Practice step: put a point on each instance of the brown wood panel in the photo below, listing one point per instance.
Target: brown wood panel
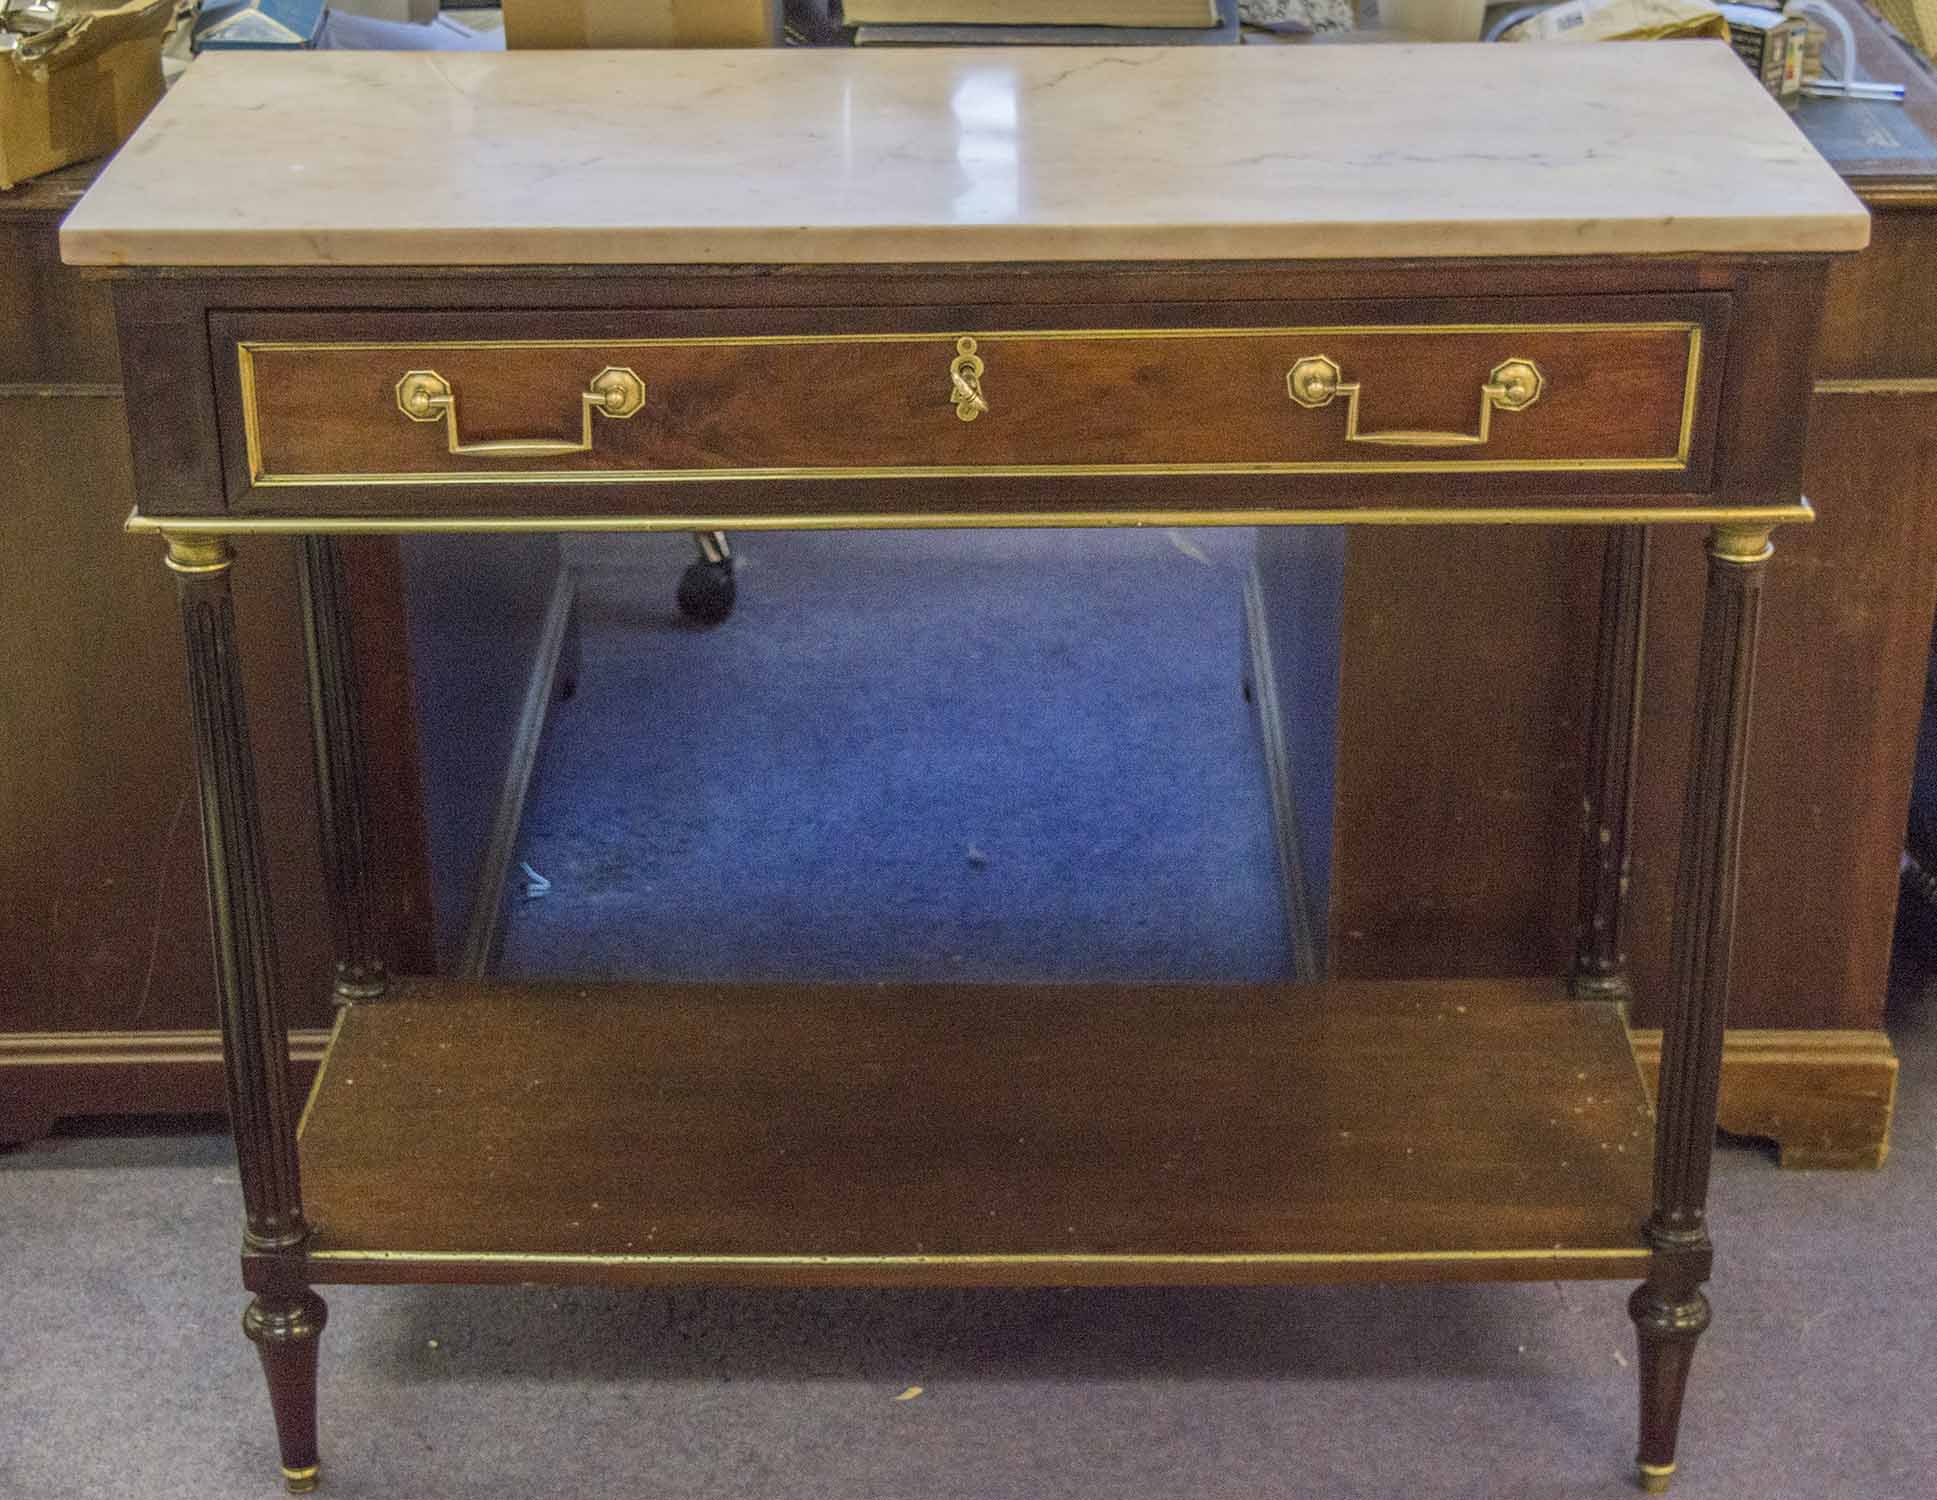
(838, 401)
(1483, 1128)
(1881, 321)
(1466, 658)
(59, 329)
(103, 923)
(1847, 635)
(101, 909)
(1847, 629)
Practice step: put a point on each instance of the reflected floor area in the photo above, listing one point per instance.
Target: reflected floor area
(1020, 755)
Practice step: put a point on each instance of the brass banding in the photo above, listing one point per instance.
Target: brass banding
(1741, 544)
(993, 1260)
(195, 552)
(640, 348)
(1799, 513)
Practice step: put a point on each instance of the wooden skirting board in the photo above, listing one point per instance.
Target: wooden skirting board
(1824, 1097)
(50, 1075)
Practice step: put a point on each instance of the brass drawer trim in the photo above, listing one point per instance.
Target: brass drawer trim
(247, 349)
(1612, 513)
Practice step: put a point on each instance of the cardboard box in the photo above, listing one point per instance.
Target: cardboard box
(79, 90)
(642, 23)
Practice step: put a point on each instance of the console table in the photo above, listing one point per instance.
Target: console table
(546, 292)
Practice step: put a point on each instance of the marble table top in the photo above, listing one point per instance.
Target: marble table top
(844, 156)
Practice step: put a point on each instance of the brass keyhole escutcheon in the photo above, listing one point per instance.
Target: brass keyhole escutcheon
(965, 380)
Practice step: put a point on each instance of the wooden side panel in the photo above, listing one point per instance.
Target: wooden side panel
(1462, 727)
(102, 920)
(476, 612)
(1847, 621)
(58, 327)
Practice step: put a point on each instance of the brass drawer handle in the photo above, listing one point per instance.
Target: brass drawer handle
(1514, 385)
(965, 378)
(426, 396)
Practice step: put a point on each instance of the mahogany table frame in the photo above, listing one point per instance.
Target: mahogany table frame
(171, 323)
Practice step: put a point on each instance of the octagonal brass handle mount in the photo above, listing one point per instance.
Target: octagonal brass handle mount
(426, 396)
(1513, 385)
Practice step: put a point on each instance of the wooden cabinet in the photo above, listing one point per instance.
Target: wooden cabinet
(105, 967)
(1459, 747)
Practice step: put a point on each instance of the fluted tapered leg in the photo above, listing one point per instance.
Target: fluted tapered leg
(1669, 1309)
(285, 1332)
(286, 1316)
(342, 781)
(1607, 800)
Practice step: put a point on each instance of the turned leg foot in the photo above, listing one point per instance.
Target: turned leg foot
(285, 1332)
(1668, 1330)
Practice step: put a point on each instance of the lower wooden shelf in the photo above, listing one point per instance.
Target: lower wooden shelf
(972, 1135)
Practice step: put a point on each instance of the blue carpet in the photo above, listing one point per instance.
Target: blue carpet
(973, 755)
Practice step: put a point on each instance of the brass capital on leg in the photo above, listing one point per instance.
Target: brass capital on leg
(193, 553)
(1743, 545)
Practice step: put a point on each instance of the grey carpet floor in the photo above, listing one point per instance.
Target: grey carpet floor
(123, 1371)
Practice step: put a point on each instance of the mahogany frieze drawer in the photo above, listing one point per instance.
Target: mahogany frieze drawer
(1567, 397)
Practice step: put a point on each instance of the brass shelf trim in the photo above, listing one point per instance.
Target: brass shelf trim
(1800, 513)
(1909, 385)
(990, 1260)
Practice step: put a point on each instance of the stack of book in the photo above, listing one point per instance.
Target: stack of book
(1003, 22)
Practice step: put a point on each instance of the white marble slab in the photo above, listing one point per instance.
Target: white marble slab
(801, 155)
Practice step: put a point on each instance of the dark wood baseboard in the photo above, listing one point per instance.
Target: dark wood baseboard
(1824, 1097)
(485, 929)
(48, 1075)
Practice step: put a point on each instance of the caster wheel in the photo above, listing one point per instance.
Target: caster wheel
(706, 592)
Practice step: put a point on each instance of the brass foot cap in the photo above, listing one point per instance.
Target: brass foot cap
(1654, 1477)
(302, 1481)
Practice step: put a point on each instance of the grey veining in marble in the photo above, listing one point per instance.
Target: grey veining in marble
(809, 155)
